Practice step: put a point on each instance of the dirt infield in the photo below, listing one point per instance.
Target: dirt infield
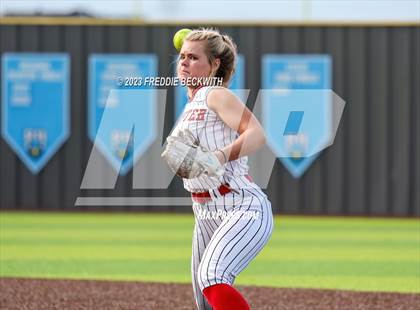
(25, 294)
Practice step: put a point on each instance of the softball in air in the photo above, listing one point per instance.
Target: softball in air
(179, 38)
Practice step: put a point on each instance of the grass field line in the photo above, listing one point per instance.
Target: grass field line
(319, 252)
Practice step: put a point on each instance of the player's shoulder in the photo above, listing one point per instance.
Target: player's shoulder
(204, 91)
(217, 96)
(216, 91)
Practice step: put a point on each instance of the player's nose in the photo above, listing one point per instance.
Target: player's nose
(184, 62)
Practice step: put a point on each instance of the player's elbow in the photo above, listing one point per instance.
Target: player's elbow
(261, 139)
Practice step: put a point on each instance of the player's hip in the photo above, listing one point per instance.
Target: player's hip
(251, 200)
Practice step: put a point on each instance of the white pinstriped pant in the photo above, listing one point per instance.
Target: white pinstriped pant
(224, 245)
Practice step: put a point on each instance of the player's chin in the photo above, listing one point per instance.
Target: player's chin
(183, 75)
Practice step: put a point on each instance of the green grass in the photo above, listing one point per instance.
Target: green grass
(362, 254)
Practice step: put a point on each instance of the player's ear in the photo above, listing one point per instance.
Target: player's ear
(217, 63)
(215, 66)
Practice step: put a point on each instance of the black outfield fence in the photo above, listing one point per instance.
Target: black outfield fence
(373, 167)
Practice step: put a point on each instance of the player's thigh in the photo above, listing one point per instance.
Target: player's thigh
(253, 242)
(246, 229)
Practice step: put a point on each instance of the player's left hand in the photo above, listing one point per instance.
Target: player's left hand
(188, 159)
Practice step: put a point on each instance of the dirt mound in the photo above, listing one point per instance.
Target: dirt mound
(25, 294)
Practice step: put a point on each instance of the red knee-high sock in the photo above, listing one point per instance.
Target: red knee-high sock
(225, 297)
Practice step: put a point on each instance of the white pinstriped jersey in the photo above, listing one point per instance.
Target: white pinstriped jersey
(212, 134)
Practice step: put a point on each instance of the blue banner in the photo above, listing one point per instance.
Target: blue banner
(122, 108)
(296, 112)
(35, 105)
(237, 85)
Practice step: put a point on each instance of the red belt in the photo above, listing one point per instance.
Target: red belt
(203, 197)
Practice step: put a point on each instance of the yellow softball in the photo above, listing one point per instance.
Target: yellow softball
(179, 38)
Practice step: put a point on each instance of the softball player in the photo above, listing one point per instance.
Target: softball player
(233, 217)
